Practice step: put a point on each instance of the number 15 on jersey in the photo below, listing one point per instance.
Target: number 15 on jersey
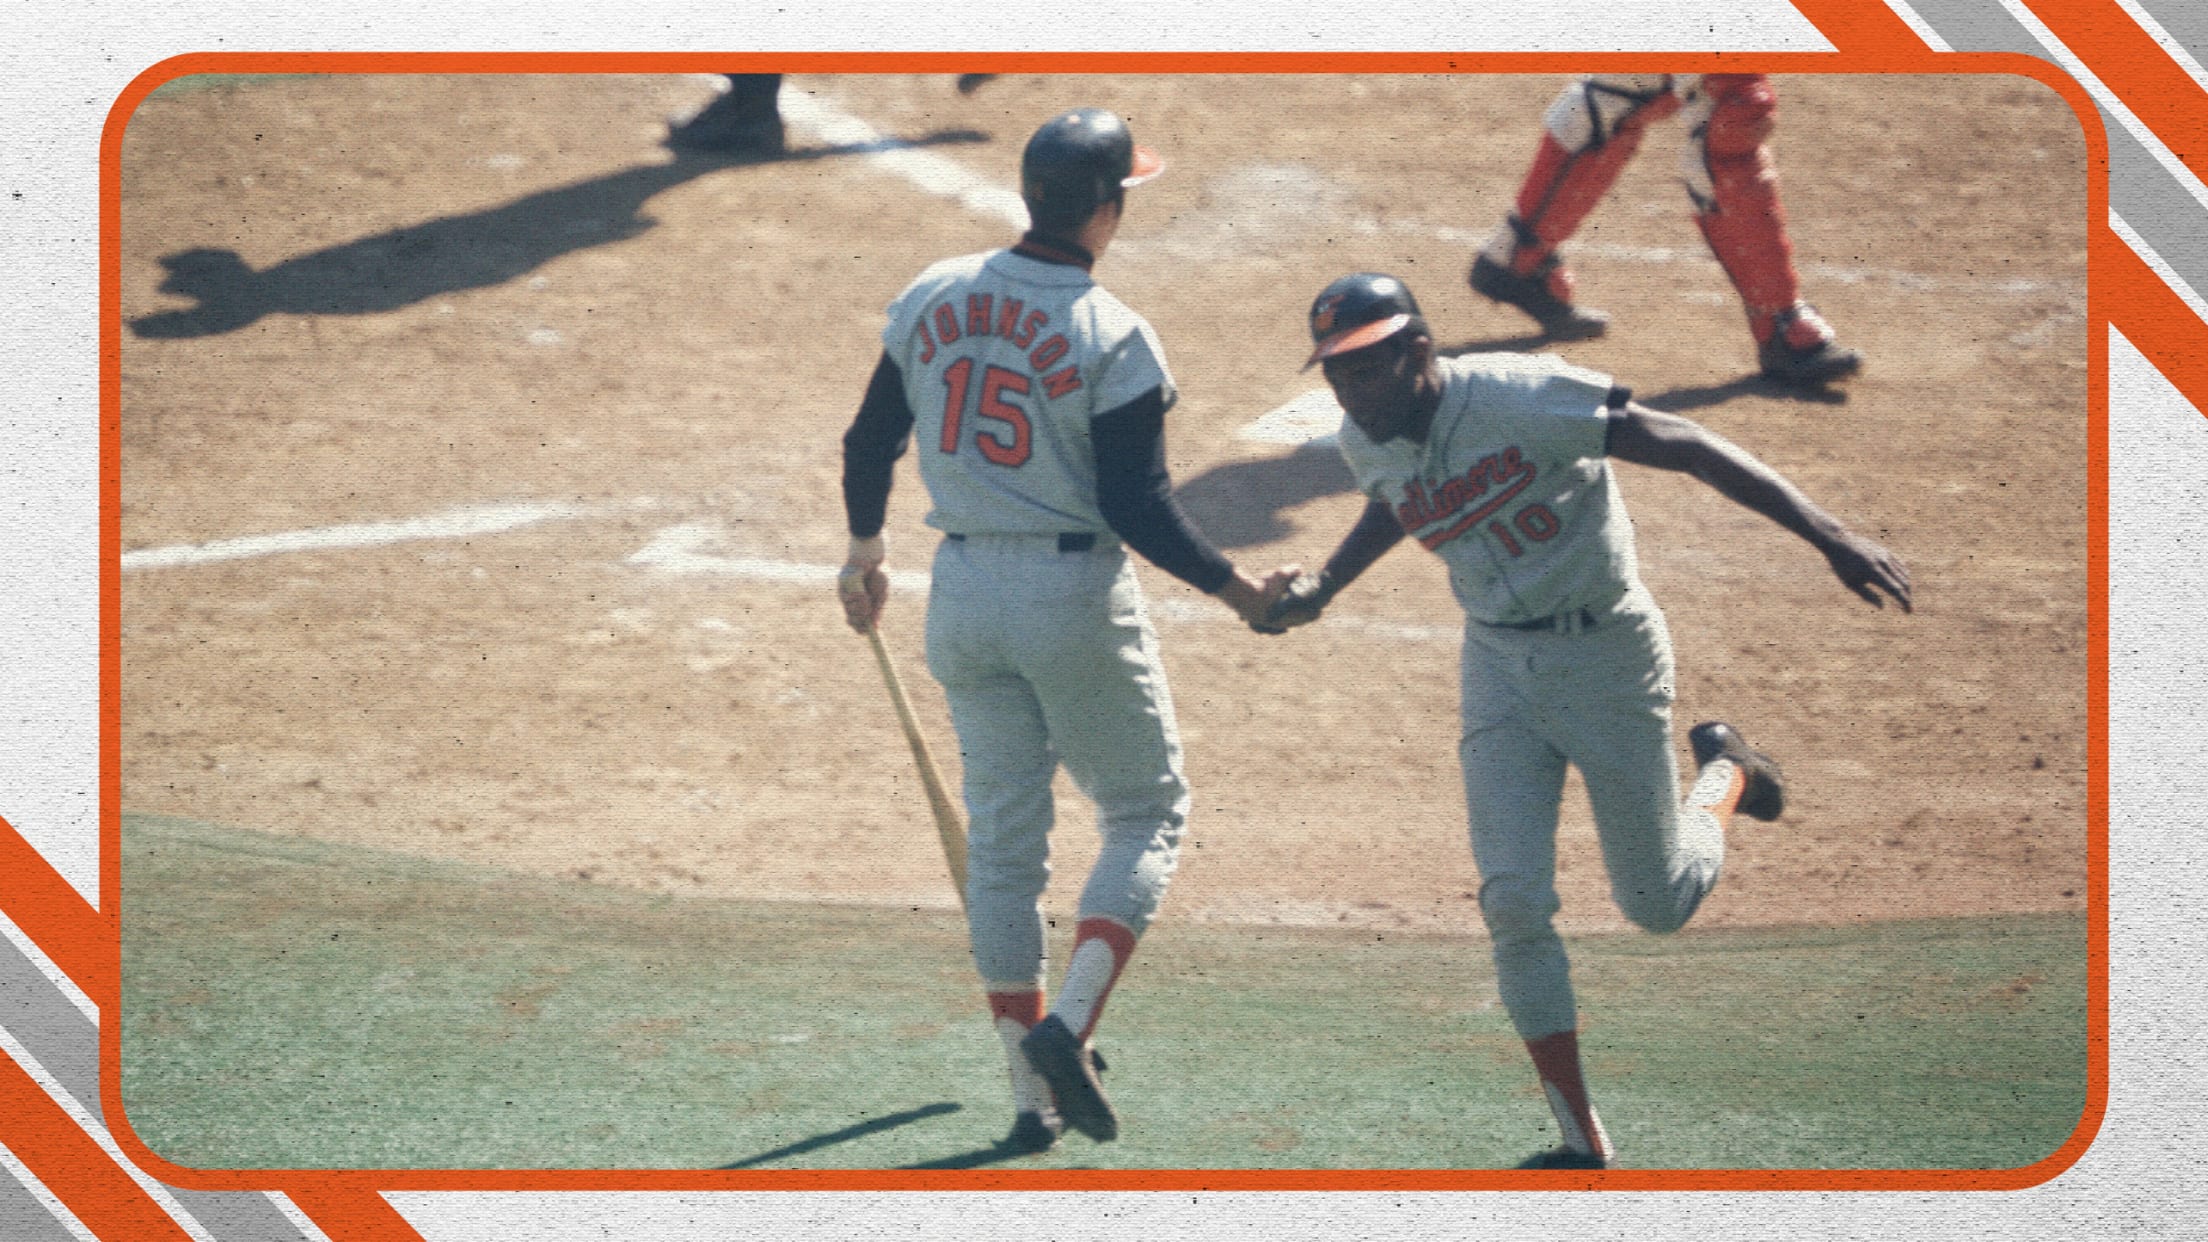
(1007, 437)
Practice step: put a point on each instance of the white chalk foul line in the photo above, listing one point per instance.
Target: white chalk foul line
(453, 524)
(685, 551)
(931, 173)
(681, 550)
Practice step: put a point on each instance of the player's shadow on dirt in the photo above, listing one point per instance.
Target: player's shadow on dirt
(1240, 504)
(1670, 401)
(1524, 343)
(473, 251)
(1680, 400)
(848, 1133)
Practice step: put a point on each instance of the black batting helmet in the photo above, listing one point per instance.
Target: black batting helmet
(1077, 162)
(1360, 309)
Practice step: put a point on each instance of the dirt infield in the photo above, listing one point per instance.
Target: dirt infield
(370, 299)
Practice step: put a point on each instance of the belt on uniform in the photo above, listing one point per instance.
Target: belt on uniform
(1562, 622)
(1068, 541)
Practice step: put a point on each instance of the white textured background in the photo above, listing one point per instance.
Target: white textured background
(64, 64)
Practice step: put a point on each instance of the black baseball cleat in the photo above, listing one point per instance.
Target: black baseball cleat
(1801, 350)
(1764, 796)
(1033, 1132)
(1559, 319)
(1071, 1069)
(1564, 1158)
(1816, 364)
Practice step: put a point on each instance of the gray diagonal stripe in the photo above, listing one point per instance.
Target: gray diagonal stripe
(38, 1015)
(2185, 20)
(2158, 208)
(49, 1026)
(2151, 200)
(1977, 26)
(23, 1218)
(238, 1216)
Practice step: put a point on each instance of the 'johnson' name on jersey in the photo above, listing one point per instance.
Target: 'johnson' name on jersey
(1012, 321)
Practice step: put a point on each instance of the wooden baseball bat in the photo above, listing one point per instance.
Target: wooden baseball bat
(947, 823)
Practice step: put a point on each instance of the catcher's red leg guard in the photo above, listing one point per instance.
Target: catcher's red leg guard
(1604, 122)
(1587, 136)
(1735, 188)
(1737, 204)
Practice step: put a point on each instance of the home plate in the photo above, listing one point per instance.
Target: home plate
(1312, 418)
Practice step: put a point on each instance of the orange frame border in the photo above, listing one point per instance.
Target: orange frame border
(348, 1203)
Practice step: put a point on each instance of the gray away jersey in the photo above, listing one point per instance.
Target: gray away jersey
(1006, 358)
(1511, 487)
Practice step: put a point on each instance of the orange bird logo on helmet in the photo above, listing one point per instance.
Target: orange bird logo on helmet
(1322, 315)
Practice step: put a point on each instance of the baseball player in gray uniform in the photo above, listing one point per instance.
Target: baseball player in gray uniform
(1499, 463)
(1036, 403)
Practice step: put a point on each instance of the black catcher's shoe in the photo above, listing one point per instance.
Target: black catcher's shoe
(732, 128)
(1530, 293)
(1802, 350)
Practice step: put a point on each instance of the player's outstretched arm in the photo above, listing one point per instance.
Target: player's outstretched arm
(1308, 595)
(1649, 437)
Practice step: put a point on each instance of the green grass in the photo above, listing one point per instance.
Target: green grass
(292, 1004)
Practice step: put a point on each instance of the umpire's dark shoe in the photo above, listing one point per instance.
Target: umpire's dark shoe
(728, 129)
(1801, 350)
(1559, 319)
(1564, 1158)
(1765, 794)
(1070, 1069)
(1033, 1132)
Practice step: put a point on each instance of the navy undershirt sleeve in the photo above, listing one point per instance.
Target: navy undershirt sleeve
(1135, 493)
(871, 447)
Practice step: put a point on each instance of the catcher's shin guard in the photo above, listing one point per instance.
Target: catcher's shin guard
(1735, 189)
(1587, 136)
